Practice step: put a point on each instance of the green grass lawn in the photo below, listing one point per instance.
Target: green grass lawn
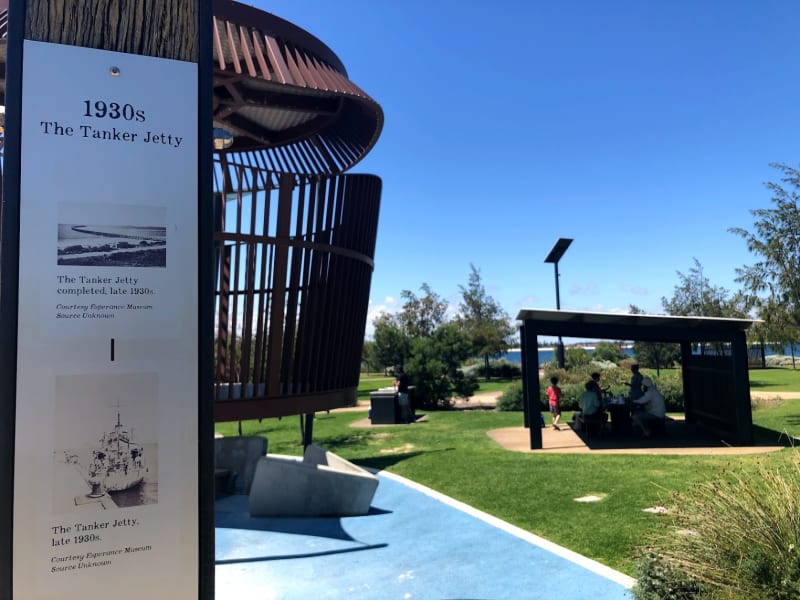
(493, 385)
(371, 383)
(375, 381)
(450, 452)
(775, 380)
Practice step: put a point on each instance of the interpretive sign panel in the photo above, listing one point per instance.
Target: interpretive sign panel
(106, 437)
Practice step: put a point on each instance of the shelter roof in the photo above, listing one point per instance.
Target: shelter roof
(629, 326)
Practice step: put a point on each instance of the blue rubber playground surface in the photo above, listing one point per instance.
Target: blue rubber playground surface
(414, 544)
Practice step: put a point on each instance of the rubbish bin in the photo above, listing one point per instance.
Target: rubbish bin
(383, 407)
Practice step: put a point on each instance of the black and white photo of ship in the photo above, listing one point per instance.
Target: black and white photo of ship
(118, 463)
(117, 471)
(112, 245)
(105, 441)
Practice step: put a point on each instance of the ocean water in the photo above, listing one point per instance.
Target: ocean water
(545, 355)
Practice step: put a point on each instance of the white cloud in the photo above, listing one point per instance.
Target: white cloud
(387, 305)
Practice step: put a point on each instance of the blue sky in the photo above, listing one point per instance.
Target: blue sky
(641, 129)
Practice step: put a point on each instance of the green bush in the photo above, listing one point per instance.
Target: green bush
(464, 386)
(572, 393)
(670, 385)
(571, 382)
(608, 351)
(576, 357)
(434, 366)
(512, 399)
(499, 369)
(656, 581)
(736, 538)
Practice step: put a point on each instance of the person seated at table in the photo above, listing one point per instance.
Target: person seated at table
(591, 406)
(653, 408)
(599, 390)
(636, 383)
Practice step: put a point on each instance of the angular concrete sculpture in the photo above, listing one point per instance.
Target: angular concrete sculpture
(235, 460)
(321, 485)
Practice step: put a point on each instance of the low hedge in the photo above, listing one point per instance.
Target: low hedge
(572, 382)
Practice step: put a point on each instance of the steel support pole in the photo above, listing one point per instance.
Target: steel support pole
(560, 348)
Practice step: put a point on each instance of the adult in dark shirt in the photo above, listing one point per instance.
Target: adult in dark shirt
(594, 385)
(403, 399)
(636, 383)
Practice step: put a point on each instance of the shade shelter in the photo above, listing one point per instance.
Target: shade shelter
(716, 385)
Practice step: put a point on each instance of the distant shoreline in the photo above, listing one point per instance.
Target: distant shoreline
(552, 348)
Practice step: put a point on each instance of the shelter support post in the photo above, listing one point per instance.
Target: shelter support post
(686, 357)
(307, 423)
(530, 384)
(741, 389)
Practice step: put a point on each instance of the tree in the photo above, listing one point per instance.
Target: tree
(576, 357)
(654, 355)
(778, 328)
(430, 349)
(775, 240)
(696, 296)
(608, 351)
(370, 359)
(483, 319)
(391, 345)
(757, 336)
(421, 315)
(434, 366)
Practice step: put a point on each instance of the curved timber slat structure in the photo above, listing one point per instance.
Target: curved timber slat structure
(294, 238)
(285, 95)
(292, 293)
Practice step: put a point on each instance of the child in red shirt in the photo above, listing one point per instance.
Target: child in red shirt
(554, 395)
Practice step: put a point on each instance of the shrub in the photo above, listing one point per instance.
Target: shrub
(500, 369)
(575, 357)
(433, 365)
(464, 386)
(669, 383)
(779, 360)
(671, 387)
(512, 399)
(737, 537)
(608, 351)
(572, 393)
(656, 581)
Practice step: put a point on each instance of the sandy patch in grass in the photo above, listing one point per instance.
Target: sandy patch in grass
(591, 498)
(398, 449)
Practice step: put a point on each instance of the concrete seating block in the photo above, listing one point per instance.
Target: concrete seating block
(238, 456)
(322, 484)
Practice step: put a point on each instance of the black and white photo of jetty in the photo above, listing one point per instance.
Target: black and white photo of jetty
(106, 449)
(112, 245)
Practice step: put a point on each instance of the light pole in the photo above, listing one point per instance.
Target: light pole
(555, 255)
